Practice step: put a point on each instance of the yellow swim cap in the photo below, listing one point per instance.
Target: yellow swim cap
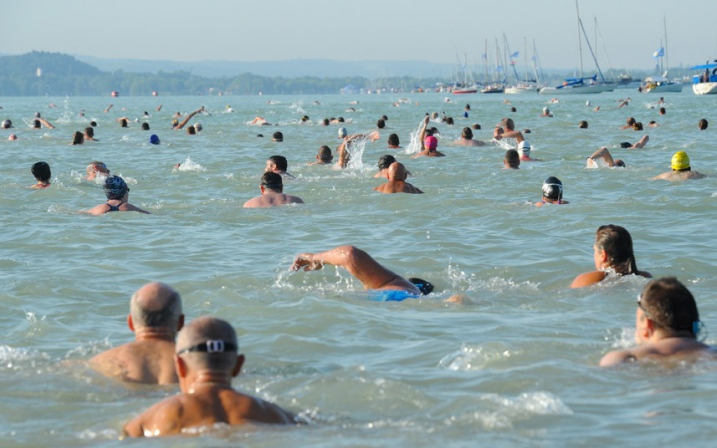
(680, 161)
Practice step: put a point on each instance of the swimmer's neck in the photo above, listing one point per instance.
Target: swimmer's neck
(154, 334)
(208, 379)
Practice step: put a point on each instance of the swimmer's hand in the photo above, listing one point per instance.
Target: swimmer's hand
(307, 262)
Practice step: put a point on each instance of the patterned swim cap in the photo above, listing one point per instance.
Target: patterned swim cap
(115, 187)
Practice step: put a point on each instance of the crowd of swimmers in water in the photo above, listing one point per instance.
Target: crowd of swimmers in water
(203, 356)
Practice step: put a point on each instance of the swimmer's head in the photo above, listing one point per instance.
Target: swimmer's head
(198, 127)
(6, 124)
(671, 306)
(546, 110)
(97, 167)
(41, 171)
(385, 161)
(115, 187)
(272, 182)
(625, 145)
(431, 142)
(277, 136)
(524, 149)
(325, 154)
(680, 161)
(553, 189)
(393, 140)
(467, 133)
(154, 139)
(583, 124)
(619, 163)
(424, 286)
(342, 133)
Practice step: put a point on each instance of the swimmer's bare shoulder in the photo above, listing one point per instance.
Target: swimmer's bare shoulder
(174, 414)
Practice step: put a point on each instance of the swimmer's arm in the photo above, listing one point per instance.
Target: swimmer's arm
(137, 209)
(189, 117)
(422, 132)
(617, 357)
(96, 211)
(511, 134)
(641, 143)
(46, 123)
(360, 264)
(604, 154)
(587, 279)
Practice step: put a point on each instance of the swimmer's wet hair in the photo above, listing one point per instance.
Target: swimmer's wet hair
(385, 161)
(41, 171)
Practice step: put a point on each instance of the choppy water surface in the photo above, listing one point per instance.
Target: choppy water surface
(514, 366)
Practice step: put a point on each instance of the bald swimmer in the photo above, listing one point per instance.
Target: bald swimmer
(207, 359)
(155, 318)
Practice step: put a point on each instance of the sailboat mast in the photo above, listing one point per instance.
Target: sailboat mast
(580, 39)
(667, 61)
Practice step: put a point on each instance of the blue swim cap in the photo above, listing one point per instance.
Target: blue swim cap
(153, 139)
(115, 187)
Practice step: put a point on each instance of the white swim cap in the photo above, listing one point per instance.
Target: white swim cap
(524, 148)
(343, 132)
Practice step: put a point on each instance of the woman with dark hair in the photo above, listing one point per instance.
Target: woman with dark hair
(41, 171)
(613, 256)
(78, 138)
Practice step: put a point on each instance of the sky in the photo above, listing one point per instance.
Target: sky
(630, 31)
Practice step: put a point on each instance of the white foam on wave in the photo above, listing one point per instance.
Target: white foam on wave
(190, 165)
(20, 358)
(470, 358)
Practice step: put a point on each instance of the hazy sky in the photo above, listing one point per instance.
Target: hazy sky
(435, 31)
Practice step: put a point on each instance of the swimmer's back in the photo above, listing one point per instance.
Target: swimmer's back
(208, 405)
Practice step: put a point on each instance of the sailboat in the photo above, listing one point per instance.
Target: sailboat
(661, 84)
(466, 87)
(527, 85)
(496, 86)
(578, 85)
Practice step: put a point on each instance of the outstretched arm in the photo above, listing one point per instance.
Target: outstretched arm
(189, 117)
(641, 143)
(360, 264)
(422, 132)
(46, 123)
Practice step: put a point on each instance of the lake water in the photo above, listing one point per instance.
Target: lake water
(516, 365)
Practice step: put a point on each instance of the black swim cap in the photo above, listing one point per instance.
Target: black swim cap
(553, 188)
(625, 145)
(424, 286)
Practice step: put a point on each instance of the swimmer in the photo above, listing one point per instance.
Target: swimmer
(78, 138)
(641, 143)
(681, 169)
(89, 134)
(613, 255)
(344, 149)
(546, 113)
(430, 143)
(278, 165)
(96, 170)
(702, 124)
(155, 317)
(396, 183)
(42, 173)
(629, 123)
(186, 120)
(272, 195)
(6, 124)
(107, 109)
(117, 193)
(12, 137)
(552, 192)
(524, 152)
(383, 163)
(277, 137)
(324, 157)
(667, 325)
(603, 156)
(467, 139)
(38, 121)
(393, 142)
(371, 274)
(206, 360)
(511, 160)
(510, 132)
(583, 124)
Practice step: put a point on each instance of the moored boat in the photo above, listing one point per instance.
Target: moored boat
(706, 83)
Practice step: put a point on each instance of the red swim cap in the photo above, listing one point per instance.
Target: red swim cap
(431, 142)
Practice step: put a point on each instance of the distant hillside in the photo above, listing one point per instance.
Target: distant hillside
(50, 64)
(286, 69)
